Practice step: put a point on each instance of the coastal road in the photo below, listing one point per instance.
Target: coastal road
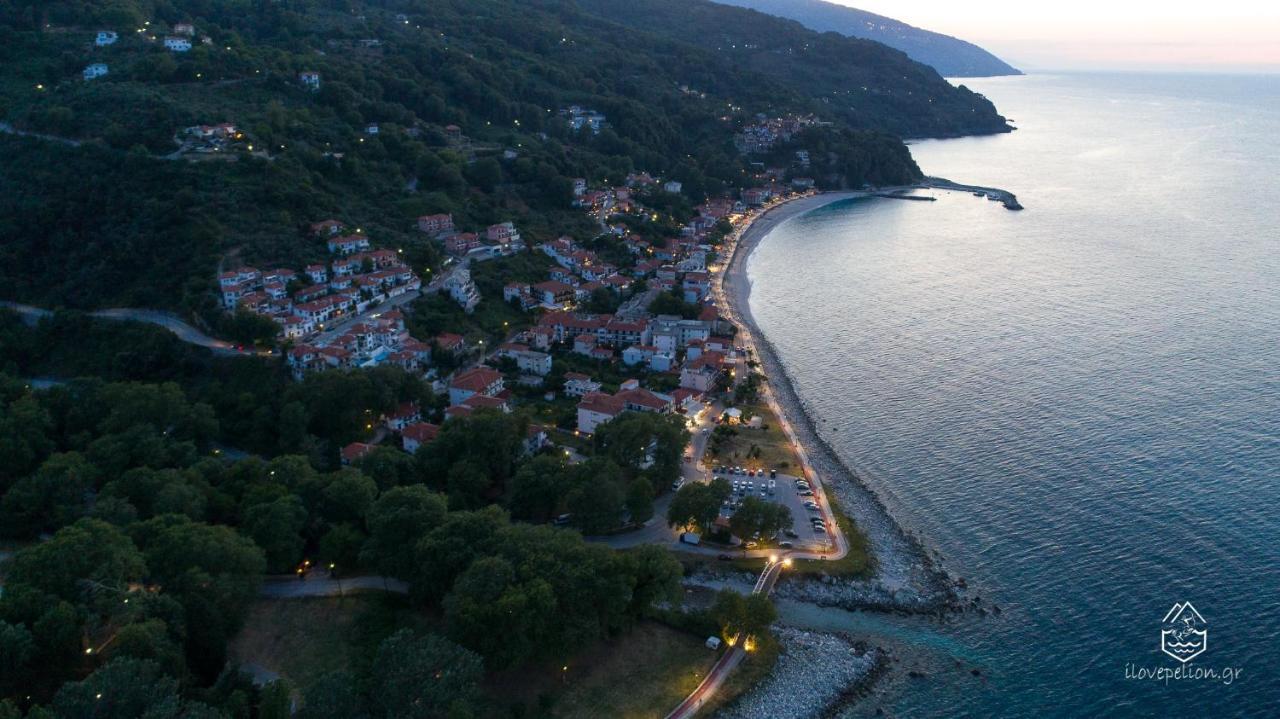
(730, 659)
(730, 290)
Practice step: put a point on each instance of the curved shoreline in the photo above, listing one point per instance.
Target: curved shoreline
(907, 576)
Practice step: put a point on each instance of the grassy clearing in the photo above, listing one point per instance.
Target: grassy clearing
(764, 448)
(642, 675)
(302, 639)
(737, 562)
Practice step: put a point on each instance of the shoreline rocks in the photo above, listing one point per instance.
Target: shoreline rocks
(816, 673)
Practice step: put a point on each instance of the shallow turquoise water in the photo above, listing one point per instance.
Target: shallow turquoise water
(1078, 404)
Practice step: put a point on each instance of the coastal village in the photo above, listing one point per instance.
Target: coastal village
(348, 312)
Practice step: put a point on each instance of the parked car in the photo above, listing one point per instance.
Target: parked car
(723, 557)
(786, 545)
(791, 533)
(819, 529)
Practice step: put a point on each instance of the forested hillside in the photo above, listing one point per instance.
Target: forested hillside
(119, 219)
(948, 55)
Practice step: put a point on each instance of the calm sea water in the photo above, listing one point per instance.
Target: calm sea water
(1078, 404)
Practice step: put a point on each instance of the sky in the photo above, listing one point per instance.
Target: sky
(1207, 35)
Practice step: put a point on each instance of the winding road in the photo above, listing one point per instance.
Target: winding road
(730, 660)
(185, 331)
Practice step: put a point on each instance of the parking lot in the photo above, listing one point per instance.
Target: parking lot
(783, 490)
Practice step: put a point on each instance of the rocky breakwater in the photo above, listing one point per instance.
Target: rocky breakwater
(995, 194)
(815, 674)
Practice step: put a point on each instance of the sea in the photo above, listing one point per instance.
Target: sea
(1077, 405)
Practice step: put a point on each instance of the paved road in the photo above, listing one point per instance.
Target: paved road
(290, 587)
(729, 660)
(11, 130)
(185, 332)
(734, 273)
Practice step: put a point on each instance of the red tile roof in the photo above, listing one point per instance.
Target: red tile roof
(476, 379)
(421, 432)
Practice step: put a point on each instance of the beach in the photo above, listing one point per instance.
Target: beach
(906, 576)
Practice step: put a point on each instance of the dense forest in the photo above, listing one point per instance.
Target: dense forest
(105, 219)
(148, 513)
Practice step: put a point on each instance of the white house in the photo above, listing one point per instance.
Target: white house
(310, 79)
(174, 43)
(595, 409)
(638, 354)
(97, 69)
(463, 290)
(527, 360)
(579, 385)
(106, 37)
(673, 187)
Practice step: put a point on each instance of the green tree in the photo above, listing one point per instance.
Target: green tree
(398, 520)
(334, 696)
(448, 549)
(17, 648)
(423, 676)
(148, 639)
(53, 497)
(539, 487)
(646, 444)
(598, 498)
(274, 701)
(85, 556)
(276, 527)
(348, 496)
(25, 429)
(124, 688)
(503, 618)
(389, 467)
(485, 174)
(698, 504)
(467, 485)
(205, 562)
(640, 500)
(340, 547)
(292, 427)
(756, 518)
(746, 616)
(655, 577)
